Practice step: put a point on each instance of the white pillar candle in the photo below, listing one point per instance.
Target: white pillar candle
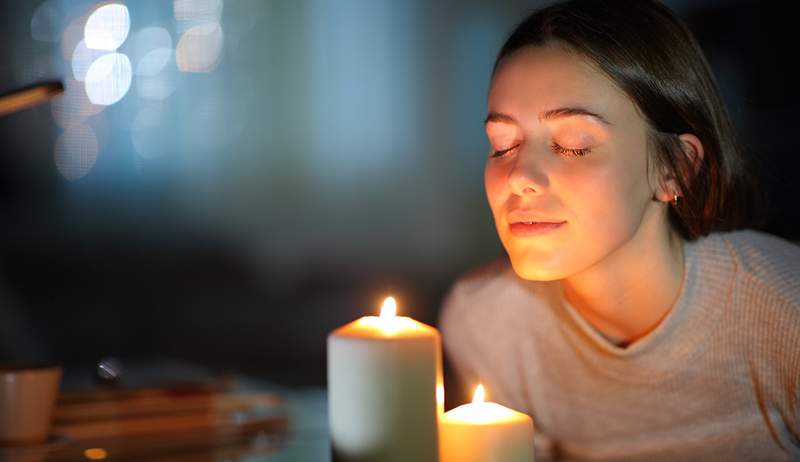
(384, 389)
(485, 432)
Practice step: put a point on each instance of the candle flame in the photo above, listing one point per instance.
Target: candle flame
(389, 308)
(479, 395)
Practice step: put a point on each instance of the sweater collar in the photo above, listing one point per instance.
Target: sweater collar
(708, 276)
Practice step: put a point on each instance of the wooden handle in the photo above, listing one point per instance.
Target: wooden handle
(28, 97)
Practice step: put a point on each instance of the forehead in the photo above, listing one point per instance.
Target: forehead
(536, 79)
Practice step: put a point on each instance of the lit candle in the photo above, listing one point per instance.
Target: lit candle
(484, 432)
(384, 389)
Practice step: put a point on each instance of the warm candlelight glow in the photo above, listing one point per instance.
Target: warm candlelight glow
(482, 412)
(388, 324)
(440, 397)
(479, 395)
(482, 431)
(389, 308)
(95, 454)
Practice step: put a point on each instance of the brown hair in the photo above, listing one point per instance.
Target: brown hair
(652, 56)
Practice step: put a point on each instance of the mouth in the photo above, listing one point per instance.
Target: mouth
(534, 228)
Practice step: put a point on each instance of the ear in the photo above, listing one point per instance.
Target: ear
(692, 148)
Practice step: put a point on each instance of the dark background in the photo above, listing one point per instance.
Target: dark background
(332, 156)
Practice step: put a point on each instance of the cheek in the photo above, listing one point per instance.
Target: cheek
(609, 203)
(494, 178)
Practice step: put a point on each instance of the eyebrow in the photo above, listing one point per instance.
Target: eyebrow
(551, 114)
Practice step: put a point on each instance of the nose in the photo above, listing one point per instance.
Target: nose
(527, 177)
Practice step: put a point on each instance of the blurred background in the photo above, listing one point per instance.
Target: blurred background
(224, 182)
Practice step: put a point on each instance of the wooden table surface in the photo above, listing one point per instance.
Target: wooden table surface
(179, 423)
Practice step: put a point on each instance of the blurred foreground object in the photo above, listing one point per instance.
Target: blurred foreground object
(29, 97)
(184, 422)
(28, 394)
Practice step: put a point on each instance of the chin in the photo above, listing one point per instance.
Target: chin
(535, 271)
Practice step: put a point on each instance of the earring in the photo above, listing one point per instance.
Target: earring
(675, 198)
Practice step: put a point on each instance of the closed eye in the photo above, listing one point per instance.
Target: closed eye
(502, 152)
(558, 149)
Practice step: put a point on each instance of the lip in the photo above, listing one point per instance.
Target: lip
(534, 228)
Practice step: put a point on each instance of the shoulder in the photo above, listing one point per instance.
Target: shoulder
(491, 299)
(463, 301)
(766, 263)
(476, 295)
(482, 282)
(489, 321)
(768, 301)
(765, 303)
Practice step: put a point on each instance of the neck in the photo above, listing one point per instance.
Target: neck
(628, 293)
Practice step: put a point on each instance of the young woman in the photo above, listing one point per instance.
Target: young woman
(634, 319)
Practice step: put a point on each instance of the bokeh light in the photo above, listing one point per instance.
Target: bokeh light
(200, 48)
(82, 59)
(45, 22)
(159, 87)
(153, 58)
(72, 34)
(95, 454)
(150, 49)
(198, 10)
(72, 107)
(108, 79)
(107, 27)
(76, 152)
(154, 62)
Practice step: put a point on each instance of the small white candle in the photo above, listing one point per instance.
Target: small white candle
(384, 389)
(485, 432)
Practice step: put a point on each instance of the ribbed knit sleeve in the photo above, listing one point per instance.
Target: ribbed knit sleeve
(769, 286)
(791, 379)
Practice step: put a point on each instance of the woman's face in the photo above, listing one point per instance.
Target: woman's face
(567, 177)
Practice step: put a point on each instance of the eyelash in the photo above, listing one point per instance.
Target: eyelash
(569, 152)
(501, 153)
(555, 147)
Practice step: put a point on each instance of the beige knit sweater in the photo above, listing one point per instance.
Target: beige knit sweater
(718, 379)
